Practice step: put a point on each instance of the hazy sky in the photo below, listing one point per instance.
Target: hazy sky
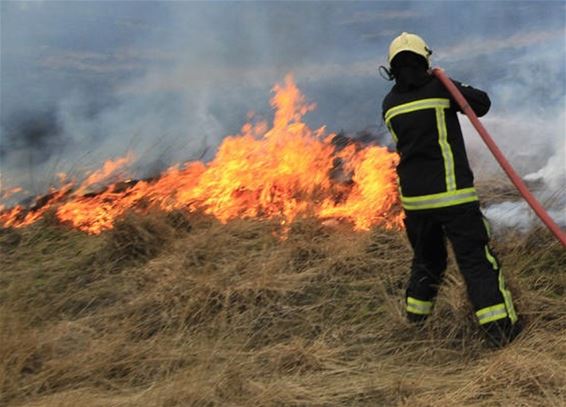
(83, 81)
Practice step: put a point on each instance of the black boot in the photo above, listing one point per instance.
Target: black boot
(416, 319)
(502, 332)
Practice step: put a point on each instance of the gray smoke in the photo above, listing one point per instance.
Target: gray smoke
(528, 122)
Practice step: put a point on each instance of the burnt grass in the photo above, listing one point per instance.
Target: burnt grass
(180, 310)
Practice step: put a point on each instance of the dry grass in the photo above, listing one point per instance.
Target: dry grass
(170, 310)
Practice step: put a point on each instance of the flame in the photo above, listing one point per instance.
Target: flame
(281, 172)
(18, 216)
(109, 168)
(373, 196)
(10, 192)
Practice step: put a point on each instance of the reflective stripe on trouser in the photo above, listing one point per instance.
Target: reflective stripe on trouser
(419, 307)
(492, 313)
(463, 226)
(505, 293)
(428, 265)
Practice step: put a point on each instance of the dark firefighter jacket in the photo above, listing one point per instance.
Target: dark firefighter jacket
(433, 169)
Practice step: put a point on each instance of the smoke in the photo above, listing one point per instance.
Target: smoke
(169, 80)
(39, 136)
(528, 123)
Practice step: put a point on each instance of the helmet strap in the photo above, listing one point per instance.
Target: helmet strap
(385, 73)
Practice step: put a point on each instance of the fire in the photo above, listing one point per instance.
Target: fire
(103, 174)
(282, 172)
(374, 193)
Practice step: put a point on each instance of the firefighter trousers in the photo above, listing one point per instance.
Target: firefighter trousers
(468, 232)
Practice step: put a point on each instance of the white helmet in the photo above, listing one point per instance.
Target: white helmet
(409, 42)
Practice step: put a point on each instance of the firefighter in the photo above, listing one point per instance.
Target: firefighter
(437, 192)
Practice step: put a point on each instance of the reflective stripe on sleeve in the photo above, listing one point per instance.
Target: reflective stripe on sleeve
(440, 200)
(490, 314)
(420, 307)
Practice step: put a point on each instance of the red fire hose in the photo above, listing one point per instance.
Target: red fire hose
(513, 176)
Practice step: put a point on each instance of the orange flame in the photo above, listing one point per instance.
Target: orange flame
(108, 169)
(11, 192)
(280, 173)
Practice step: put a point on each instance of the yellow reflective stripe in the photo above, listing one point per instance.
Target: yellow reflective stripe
(489, 310)
(505, 293)
(447, 156)
(490, 258)
(431, 103)
(507, 298)
(487, 226)
(439, 104)
(426, 198)
(440, 200)
(418, 307)
(390, 127)
(490, 314)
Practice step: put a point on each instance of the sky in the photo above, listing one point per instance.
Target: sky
(84, 81)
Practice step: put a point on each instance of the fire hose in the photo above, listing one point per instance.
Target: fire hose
(513, 176)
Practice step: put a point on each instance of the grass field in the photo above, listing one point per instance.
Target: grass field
(180, 310)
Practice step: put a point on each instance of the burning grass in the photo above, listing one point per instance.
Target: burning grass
(180, 309)
(278, 172)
